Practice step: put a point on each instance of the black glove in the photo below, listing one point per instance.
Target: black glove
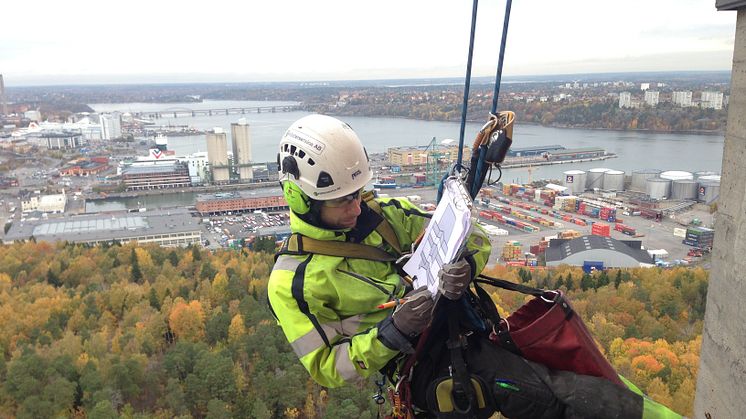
(407, 321)
(413, 316)
(454, 279)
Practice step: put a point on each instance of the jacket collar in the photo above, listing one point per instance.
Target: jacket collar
(366, 223)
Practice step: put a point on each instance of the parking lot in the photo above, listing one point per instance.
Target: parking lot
(224, 231)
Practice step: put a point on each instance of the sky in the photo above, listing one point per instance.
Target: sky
(137, 41)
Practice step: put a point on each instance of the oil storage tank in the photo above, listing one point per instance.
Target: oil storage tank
(595, 178)
(702, 173)
(575, 181)
(676, 175)
(684, 189)
(709, 178)
(614, 180)
(639, 178)
(709, 191)
(658, 188)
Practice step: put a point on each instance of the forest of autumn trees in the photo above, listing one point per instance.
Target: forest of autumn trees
(149, 332)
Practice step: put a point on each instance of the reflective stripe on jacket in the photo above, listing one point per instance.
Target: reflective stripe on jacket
(326, 305)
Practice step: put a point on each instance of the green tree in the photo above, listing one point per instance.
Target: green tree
(153, 299)
(173, 258)
(135, 272)
(217, 327)
(586, 282)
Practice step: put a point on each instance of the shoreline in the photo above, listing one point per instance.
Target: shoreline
(474, 121)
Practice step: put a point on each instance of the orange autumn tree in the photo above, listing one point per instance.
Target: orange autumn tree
(187, 321)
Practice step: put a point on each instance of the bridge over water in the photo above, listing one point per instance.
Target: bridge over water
(186, 112)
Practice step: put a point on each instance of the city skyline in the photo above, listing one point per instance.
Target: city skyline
(150, 42)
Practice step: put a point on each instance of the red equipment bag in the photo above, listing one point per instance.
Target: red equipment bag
(545, 330)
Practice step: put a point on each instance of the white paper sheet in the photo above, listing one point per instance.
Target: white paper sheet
(444, 236)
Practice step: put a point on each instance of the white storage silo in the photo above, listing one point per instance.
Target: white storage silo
(709, 191)
(595, 178)
(702, 173)
(640, 177)
(614, 180)
(675, 175)
(575, 181)
(709, 178)
(684, 189)
(658, 188)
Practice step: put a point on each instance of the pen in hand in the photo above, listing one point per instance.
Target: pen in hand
(392, 304)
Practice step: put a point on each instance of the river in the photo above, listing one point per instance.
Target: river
(635, 150)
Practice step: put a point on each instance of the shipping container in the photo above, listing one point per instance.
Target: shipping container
(599, 229)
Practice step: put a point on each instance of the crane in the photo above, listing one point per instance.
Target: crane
(434, 169)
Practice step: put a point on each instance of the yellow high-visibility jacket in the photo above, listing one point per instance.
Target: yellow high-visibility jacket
(327, 305)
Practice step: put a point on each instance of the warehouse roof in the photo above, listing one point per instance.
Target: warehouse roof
(615, 253)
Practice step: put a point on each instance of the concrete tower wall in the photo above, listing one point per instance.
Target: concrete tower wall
(721, 382)
(217, 156)
(3, 103)
(241, 136)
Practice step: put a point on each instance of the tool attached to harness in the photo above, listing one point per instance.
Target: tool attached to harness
(490, 146)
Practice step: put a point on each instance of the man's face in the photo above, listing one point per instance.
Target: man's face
(341, 213)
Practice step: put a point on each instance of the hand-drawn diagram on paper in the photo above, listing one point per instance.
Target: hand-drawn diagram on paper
(443, 237)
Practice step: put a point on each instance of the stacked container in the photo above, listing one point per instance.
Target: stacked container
(512, 251)
(600, 229)
(699, 237)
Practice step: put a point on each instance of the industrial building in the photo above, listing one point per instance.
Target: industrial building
(166, 228)
(85, 167)
(111, 126)
(62, 140)
(45, 203)
(269, 199)
(533, 151)
(156, 175)
(597, 251)
(418, 156)
(217, 156)
(576, 154)
(241, 140)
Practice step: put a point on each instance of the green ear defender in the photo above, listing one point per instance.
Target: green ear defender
(297, 200)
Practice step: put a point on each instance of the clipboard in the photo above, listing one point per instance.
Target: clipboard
(445, 236)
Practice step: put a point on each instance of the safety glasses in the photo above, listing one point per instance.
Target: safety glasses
(340, 202)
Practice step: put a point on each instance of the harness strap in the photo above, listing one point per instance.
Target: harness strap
(464, 399)
(299, 244)
(383, 228)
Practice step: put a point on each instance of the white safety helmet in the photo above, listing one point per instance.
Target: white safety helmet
(323, 157)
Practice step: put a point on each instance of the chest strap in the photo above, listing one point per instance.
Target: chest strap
(383, 228)
(299, 244)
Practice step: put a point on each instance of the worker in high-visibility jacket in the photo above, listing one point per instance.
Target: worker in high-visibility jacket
(327, 303)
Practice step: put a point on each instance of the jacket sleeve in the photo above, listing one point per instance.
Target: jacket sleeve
(333, 350)
(478, 242)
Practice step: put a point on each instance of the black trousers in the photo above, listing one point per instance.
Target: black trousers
(519, 388)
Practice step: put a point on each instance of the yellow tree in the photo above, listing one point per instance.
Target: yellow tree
(236, 329)
(187, 321)
(658, 391)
